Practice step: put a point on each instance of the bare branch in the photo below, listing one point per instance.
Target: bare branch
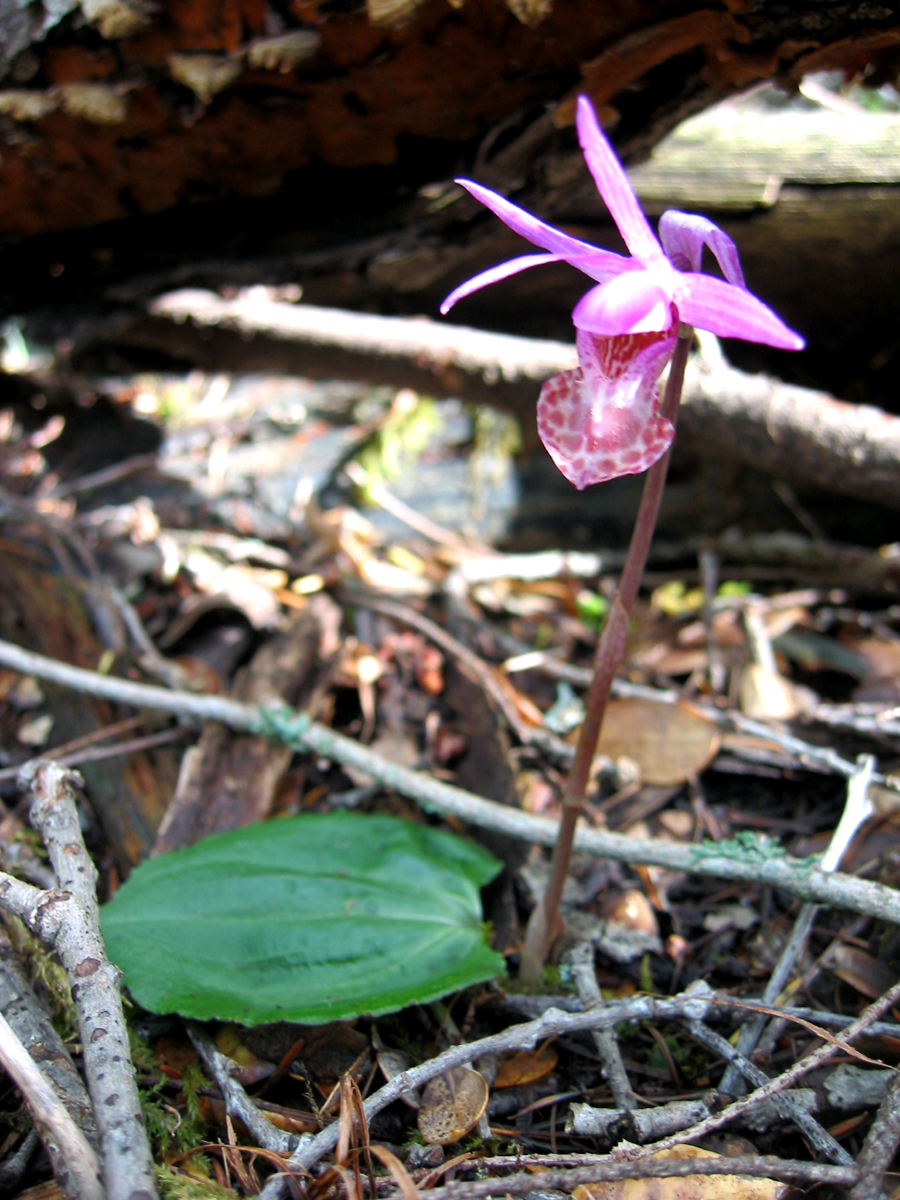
(74, 1162)
(125, 1152)
(237, 1102)
(34, 1029)
(879, 1147)
(612, 1170)
(791, 432)
(581, 963)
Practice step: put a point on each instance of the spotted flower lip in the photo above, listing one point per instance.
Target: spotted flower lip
(640, 294)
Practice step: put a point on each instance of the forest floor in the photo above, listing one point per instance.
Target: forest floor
(387, 564)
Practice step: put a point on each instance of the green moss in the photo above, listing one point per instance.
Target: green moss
(171, 1129)
(48, 978)
(175, 1185)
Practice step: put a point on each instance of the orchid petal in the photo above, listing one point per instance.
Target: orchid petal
(634, 302)
(683, 236)
(643, 355)
(597, 427)
(494, 274)
(730, 311)
(614, 185)
(598, 264)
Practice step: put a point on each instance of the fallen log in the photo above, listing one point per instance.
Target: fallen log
(803, 436)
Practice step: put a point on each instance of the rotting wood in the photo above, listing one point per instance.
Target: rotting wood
(130, 107)
(229, 779)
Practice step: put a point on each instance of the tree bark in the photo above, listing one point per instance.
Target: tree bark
(308, 129)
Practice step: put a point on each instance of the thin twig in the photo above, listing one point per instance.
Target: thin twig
(788, 1078)
(380, 495)
(552, 1023)
(786, 1107)
(721, 860)
(69, 922)
(237, 1102)
(692, 1005)
(580, 960)
(155, 663)
(148, 741)
(34, 1029)
(613, 1170)
(879, 1147)
(119, 470)
(468, 659)
(857, 809)
(58, 753)
(815, 757)
(635, 1125)
(74, 1161)
(13, 1169)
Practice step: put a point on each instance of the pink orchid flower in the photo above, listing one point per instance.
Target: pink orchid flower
(602, 419)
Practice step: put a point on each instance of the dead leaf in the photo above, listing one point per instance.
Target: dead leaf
(669, 742)
(867, 974)
(632, 910)
(254, 1069)
(452, 1105)
(389, 13)
(528, 1066)
(766, 695)
(687, 1187)
(530, 12)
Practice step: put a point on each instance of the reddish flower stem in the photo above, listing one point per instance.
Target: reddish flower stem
(545, 923)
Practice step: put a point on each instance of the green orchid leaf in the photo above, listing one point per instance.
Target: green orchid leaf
(310, 918)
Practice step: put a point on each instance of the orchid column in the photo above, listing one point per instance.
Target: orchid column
(604, 419)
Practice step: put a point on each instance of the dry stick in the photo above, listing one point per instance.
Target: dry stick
(74, 1161)
(416, 521)
(879, 1147)
(149, 741)
(785, 1080)
(581, 963)
(34, 1029)
(777, 1025)
(468, 659)
(614, 1170)
(857, 809)
(543, 925)
(237, 1103)
(69, 921)
(63, 751)
(822, 757)
(790, 432)
(156, 665)
(690, 1005)
(635, 1125)
(722, 860)
(786, 1107)
(503, 1162)
(13, 1168)
(525, 1036)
